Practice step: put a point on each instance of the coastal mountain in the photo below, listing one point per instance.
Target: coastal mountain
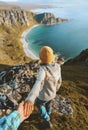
(19, 16)
(48, 19)
(82, 58)
(13, 21)
(14, 16)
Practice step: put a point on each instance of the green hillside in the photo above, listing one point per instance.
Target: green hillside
(11, 49)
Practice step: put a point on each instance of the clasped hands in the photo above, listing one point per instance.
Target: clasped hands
(25, 109)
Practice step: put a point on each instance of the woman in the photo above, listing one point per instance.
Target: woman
(47, 84)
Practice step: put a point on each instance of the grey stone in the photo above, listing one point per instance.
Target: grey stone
(17, 82)
(62, 106)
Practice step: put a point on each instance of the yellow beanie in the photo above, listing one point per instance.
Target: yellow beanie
(46, 55)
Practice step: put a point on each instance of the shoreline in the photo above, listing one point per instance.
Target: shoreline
(26, 47)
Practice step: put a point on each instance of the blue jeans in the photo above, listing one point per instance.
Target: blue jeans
(45, 108)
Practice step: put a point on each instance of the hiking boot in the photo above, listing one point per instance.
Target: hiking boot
(48, 124)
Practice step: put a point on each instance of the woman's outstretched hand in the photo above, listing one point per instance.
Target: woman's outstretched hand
(25, 110)
(28, 107)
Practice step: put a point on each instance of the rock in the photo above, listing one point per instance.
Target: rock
(82, 58)
(2, 74)
(17, 82)
(48, 19)
(17, 15)
(8, 111)
(14, 16)
(5, 89)
(62, 106)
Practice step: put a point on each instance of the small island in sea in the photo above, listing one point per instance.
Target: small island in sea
(15, 64)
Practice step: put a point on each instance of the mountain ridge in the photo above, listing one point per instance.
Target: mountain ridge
(18, 15)
(81, 59)
(13, 22)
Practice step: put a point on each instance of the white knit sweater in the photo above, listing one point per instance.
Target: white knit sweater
(47, 83)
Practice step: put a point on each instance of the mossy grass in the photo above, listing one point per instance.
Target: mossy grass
(74, 88)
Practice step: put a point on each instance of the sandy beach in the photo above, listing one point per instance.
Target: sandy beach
(27, 50)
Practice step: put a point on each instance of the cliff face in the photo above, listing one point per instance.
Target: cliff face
(82, 58)
(14, 16)
(17, 15)
(48, 19)
(13, 21)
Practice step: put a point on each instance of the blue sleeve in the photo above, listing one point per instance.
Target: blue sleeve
(10, 122)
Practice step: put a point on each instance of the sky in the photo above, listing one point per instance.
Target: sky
(42, 1)
(31, 0)
(84, 2)
(21, 0)
(8, 0)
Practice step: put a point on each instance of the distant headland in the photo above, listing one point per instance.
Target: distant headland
(13, 22)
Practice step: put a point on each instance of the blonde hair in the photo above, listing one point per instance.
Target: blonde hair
(46, 55)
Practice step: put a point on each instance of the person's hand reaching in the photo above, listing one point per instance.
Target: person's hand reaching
(28, 106)
(21, 109)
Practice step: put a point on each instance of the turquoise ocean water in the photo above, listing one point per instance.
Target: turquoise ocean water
(68, 38)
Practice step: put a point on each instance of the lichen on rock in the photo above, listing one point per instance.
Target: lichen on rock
(17, 81)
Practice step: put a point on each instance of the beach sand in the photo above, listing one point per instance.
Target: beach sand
(27, 50)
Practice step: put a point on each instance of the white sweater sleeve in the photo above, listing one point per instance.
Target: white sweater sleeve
(37, 86)
(59, 80)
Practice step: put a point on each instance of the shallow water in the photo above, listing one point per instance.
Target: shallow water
(67, 38)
